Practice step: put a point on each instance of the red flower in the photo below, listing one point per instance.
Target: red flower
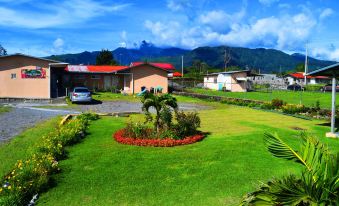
(167, 142)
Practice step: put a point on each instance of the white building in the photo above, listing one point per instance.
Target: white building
(299, 78)
(234, 81)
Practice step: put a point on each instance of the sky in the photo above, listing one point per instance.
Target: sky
(42, 28)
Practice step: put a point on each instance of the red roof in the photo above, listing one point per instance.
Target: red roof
(177, 74)
(164, 66)
(95, 68)
(300, 75)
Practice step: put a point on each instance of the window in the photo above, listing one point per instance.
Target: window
(13, 76)
(95, 77)
(215, 80)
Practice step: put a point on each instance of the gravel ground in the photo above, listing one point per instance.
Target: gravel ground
(121, 106)
(25, 115)
(18, 119)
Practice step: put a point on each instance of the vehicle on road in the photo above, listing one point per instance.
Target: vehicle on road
(328, 88)
(294, 87)
(80, 94)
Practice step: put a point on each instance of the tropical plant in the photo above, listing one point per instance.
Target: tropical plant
(161, 104)
(317, 185)
(105, 57)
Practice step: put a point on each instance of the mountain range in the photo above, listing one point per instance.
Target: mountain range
(267, 60)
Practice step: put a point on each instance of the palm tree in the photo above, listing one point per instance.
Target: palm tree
(161, 104)
(317, 185)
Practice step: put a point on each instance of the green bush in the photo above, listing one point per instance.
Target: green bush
(267, 105)
(277, 103)
(138, 130)
(187, 124)
(34, 174)
(314, 87)
(294, 109)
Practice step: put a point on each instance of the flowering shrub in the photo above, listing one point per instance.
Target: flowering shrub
(33, 175)
(120, 137)
(294, 109)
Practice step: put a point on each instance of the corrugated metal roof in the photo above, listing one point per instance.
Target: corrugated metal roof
(95, 68)
(300, 75)
(164, 66)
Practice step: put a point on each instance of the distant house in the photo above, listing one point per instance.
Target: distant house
(299, 78)
(233, 81)
(271, 79)
(174, 74)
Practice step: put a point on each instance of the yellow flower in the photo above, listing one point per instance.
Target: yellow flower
(0, 189)
(9, 187)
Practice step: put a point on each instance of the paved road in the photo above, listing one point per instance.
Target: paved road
(25, 115)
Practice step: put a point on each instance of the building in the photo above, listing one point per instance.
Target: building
(23, 76)
(272, 79)
(299, 78)
(233, 81)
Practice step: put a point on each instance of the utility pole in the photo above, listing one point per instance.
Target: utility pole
(305, 79)
(182, 66)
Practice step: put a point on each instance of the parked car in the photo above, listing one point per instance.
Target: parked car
(80, 94)
(294, 87)
(328, 88)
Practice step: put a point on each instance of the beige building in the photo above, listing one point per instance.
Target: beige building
(233, 81)
(23, 76)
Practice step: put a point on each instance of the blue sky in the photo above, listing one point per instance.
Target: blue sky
(43, 28)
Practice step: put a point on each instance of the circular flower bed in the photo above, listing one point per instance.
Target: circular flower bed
(167, 142)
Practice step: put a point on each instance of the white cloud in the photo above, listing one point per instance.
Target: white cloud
(174, 6)
(58, 43)
(328, 52)
(287, 32)
(326, 13)
(49, 15)
(268, 2)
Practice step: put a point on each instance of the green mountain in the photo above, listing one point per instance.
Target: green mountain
(267, 60)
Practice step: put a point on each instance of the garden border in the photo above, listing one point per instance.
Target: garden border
(167, 142)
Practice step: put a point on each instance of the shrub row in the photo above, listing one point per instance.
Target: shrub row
(120, 136)
(34, 174)
(275, 104)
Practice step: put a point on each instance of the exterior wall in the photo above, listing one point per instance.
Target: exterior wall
(102, 82)
(147, 76)
(210, 82)
(224, 81)
(239, 86)
(18, 87)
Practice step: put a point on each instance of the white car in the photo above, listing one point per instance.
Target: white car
(80, 94)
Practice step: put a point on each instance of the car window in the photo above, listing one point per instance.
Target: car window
(81, 90)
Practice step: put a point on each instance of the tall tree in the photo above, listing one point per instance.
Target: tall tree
(105, 57)
(3, 51)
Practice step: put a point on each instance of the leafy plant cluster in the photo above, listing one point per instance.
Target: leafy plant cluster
(34, 174)
(167, 121)
(318, 183)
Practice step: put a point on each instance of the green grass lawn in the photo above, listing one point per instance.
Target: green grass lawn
(306, 98)
(109, 96)
(23, 145)
(219, 170)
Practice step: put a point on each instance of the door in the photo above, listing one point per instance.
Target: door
(107, 82)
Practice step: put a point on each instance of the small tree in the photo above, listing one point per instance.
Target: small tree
(318, 183)
(105, 57)
(162, 105)
(3, 51)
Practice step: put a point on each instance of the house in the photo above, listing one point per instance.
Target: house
(272, 79)
(23, 76)
(234, 81)
(299, 78)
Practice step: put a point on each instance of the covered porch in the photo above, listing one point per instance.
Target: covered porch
(332, 72)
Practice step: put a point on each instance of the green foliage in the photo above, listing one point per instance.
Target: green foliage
(277, 103)
(138, 130)
(161, 104)
(105, 57)
(318, 183)
(294, 108)
(300, 67)
(34, 174)
(187, 124)
(314, 87)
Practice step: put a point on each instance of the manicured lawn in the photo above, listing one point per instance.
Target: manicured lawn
(109, 96)
(306, 98)
(230, 162)
(22, 145)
